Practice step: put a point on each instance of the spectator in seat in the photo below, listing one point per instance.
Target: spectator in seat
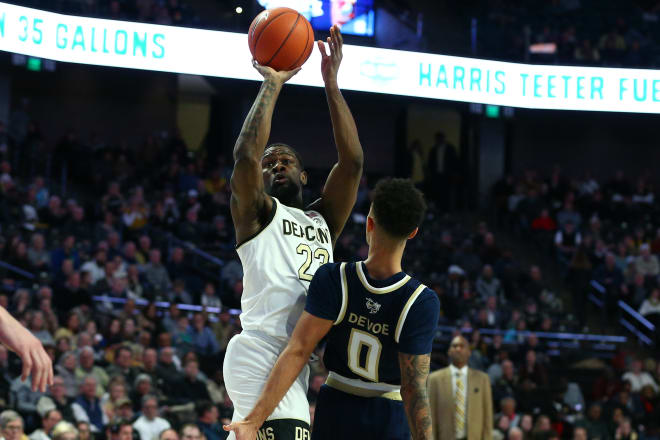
(594, 424)
(635, 293)
(567, 239)
(203, 339)
(190, 388)
(84, 431)
(11, 425)
(144, 248)
(489, 251)
(508, 410)
(209, 296)
(507, 384)
(207, 421)
(587, 54)
(638, 378)
(190, 431)
(123, 364)
(37, 255)
(156, 274)
(646, 264)
(191, 230)
(580, 433)
(66, 251)
(609, 276)
(168, 434)
(179, 294)
(55, 398)
(66, 369)
(141, 389)
(544, 223)
(651, 305)
(96, 267)
(38, 328)
(87, 407)
(121, 429)
(167, 372)
(149, 425)
(55, 214)
(86, 367)
(568, 214)
(129, 253)
(487, 284)
(534, 370)
(66, 431)
(50, 419)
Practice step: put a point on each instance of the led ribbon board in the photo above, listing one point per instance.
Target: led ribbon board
(224, 54)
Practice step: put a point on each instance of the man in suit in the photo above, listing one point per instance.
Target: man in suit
(442, 172)
(460, 398)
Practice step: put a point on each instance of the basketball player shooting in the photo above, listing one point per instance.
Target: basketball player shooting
(281, 242)
(379, 323)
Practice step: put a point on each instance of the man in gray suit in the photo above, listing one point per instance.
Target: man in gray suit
(460, 398)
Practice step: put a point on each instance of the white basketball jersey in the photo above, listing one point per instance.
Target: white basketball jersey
(278, 264)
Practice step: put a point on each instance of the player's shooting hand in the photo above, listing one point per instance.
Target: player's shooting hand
(330, 63)
(36, 362)
(280, 77)
(243, 430)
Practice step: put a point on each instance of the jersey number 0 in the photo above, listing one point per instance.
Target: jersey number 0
(319, 254)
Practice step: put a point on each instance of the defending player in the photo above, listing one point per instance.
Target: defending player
(280, 244)
(380, 324)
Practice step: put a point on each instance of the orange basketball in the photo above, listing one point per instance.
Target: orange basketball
(281, 38)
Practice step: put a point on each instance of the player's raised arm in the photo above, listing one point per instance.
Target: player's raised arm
(414, 373)
(249, 203)
(340, 190)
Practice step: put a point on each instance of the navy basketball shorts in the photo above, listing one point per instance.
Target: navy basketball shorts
(344, 416)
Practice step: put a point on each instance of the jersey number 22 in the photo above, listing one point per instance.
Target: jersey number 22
(319, 254)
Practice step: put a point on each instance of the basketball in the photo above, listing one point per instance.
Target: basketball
(281, 38)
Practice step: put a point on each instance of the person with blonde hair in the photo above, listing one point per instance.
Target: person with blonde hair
(64, 431)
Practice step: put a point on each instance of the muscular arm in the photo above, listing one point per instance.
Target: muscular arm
(307, 334)
(249, 203)
(340, 189)
(414, 373)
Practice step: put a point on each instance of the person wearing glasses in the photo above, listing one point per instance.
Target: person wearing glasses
(11, 425)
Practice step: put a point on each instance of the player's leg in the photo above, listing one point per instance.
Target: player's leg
(248, 363)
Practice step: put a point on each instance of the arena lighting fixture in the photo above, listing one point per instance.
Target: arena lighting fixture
(239, 10)
(65, 38)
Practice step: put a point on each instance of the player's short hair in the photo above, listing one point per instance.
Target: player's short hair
(290, 148)
(398, 206)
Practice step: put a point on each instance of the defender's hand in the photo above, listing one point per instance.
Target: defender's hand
(36, 362)
(330, 63)
(244, 430)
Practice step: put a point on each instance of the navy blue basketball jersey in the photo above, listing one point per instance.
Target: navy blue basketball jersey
(374, 320)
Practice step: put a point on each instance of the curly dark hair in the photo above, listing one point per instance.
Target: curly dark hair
(398, 206)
